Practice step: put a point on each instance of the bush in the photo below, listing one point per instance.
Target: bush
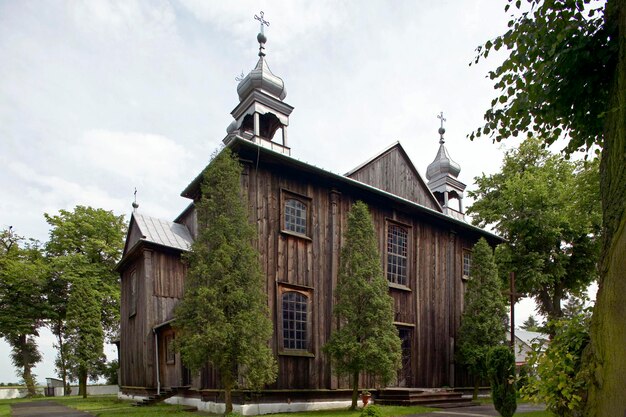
(371, 411)
(561, 380)
(501, 370)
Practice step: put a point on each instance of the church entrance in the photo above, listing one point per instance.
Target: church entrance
(405, 375)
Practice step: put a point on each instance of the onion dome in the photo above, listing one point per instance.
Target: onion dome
(261, 78)
(442, 165)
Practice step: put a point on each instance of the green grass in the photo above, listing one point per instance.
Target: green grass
(387, 411)
(536, 414)
(111, 406)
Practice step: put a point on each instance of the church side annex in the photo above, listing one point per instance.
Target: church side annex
(300, 213)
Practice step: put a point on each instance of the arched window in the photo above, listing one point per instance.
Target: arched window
(397, 244)
(295, 320)
(295, 216)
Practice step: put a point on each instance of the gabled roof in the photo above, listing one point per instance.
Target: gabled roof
(531, 337)
(256, 152)
(160, 232)
(417, 179)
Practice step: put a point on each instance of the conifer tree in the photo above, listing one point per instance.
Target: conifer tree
(366, 341)
(223, 318)
(484, 314)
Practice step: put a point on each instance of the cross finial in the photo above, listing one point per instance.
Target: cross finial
(135, 205)
(441, 129)
(261, 36)
(262, 20)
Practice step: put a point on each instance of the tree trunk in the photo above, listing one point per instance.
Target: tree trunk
(82, 382)
(228, 399)
(476, 383)
(355, 390)
(62, 367)
(21, 347)
(608, 328)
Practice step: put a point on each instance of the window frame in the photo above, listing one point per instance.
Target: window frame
(389, 223)
(170, 352)
(307, 293)
(286, 195)
(468, 252)
(133, 293)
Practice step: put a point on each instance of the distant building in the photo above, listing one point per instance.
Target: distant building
(524, 341)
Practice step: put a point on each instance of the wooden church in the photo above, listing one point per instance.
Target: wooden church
(300, 212)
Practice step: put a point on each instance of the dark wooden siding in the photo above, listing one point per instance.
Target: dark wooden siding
(160, 280)
(393, 173)
(429, 306)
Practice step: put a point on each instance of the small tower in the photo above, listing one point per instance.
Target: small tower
(261, 112)
(442, 176)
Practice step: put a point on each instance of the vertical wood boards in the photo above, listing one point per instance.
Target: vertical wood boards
(429, 305)
(393, 172)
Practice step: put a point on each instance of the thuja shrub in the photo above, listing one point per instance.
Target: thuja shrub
(501, 371)
(371, 411)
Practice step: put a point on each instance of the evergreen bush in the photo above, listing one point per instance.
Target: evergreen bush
(501, 371)
(371, 411)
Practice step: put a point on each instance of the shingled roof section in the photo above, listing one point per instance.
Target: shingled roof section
(163, 232)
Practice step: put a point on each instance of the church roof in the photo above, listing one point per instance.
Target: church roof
(163, 232)
(239, 144)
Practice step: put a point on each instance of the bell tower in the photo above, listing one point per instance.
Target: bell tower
(442, 176)
(261, 115)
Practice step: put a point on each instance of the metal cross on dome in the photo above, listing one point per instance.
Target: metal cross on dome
(262, 20)
(440, 116)
(441, 129)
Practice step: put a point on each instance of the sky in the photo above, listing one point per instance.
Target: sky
(98, 98)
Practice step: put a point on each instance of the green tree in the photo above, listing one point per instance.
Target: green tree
(366, 339)
(84, 246)
(484, 314)
(548, 211)
(566, 74)
(559, 380)
(531, 324)
(84, 336)
(223, 318)
(22, 301)
(501, 370)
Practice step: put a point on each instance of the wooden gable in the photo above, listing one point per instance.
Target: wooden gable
(392, 171)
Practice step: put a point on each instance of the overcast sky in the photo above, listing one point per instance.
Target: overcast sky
(100, 97)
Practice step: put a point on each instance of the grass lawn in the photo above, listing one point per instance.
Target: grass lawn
(387, 411)
(110, 406)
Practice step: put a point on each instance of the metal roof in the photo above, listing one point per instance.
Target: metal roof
(163, 232)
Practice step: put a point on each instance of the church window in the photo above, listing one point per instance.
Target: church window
(467, 263)
(133, 293)
(295, 321)
(397, 250)
(295, 216)
(170, 353)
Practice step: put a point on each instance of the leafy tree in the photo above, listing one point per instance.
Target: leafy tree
(84, 246)
(22, 302)
(483, 318)
(531, 324)
(560, 381)
(366, 340)
(548, 210)
(223, 318)
(566, 74)
(501, 370)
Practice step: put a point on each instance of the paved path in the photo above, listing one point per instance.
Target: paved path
(45, 409)
(478, 411)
